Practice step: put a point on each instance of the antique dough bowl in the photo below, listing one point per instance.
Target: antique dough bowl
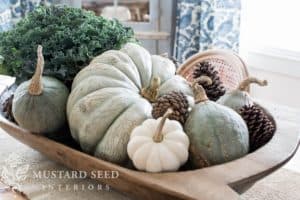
(225, 181)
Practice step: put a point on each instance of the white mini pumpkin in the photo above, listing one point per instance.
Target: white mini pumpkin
(158, 145)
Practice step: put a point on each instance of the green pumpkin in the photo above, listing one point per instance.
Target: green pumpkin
(39, 104)
(113, 95)
(217, 133)
(238, 98)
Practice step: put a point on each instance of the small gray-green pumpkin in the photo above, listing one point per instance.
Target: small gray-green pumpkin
(217, 133)
(238, 98)
(39, 104)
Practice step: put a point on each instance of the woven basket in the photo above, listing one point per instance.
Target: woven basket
(231, 67)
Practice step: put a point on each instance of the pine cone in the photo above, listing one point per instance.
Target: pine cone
(261, 128)
(175, 100)
(216, 89)
(7, 109)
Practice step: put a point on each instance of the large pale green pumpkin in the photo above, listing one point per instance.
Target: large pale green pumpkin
(39, 105)
(112, 95)
(217, 133)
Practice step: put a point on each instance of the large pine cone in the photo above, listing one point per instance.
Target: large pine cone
(175, 100)
(261, 128)
(216, 89)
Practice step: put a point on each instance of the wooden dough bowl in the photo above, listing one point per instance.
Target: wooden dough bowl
(219, 182)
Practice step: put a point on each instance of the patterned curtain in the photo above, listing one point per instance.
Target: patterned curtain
(20, 8)
(11, 11)
(5, 16)
(203, 24)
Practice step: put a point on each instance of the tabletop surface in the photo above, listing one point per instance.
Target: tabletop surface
(42, 179)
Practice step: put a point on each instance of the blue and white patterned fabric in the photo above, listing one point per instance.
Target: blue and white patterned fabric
(5, 15)
(20, 8)
(203, 24)
(11, 11)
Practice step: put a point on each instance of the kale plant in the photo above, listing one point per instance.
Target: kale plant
(70, 38)
(2, 69)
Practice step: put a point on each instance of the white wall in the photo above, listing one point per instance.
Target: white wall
(282, 89)
(271, 52)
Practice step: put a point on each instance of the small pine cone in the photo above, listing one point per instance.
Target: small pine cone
(216, 89)
(175, 100)
(261, 128)
(7, 109)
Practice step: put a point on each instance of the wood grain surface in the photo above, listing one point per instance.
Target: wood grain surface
(9, 193)
(217, 182)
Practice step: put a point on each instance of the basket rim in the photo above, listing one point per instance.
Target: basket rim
(230, 56)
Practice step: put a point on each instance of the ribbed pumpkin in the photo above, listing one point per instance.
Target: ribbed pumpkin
(113, 95)
(39, 105)
(158, 145)
(239, 97)
(217, 134)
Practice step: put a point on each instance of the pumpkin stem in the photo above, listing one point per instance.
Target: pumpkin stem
(199, 91)
(36, 86)
(158, 136)
(151, 93)
(203, 80)
(244, 85)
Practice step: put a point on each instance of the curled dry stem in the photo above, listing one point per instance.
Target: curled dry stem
(36, 86)
(244, 85)
(199, 91)
(158, 136)
(151, 93)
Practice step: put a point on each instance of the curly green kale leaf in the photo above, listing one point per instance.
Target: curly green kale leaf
(71, 37)
(2, 69)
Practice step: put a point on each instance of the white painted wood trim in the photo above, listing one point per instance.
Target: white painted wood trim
(151, 35)
(275, 60)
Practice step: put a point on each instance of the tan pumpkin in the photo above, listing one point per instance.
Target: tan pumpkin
(113, 95)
